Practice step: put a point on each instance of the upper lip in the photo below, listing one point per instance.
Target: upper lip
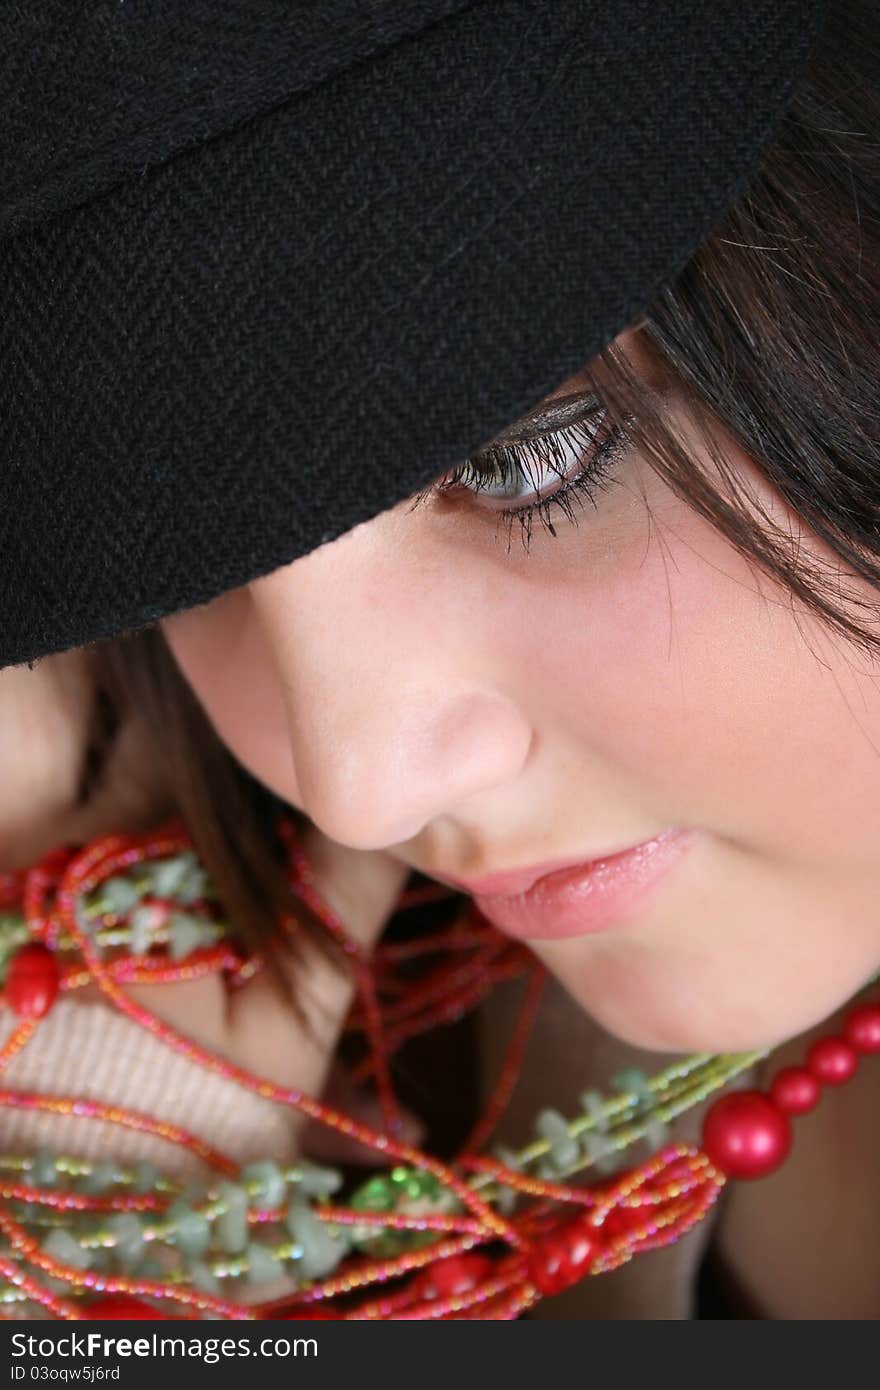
(505, 884)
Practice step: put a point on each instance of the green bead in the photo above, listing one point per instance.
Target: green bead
(409, 1182)
(102, 1176)
(425, 1193)
(141, 930)
(146, 1176)
(44, 1171)
(508, 1158)
(192, 1230)
(377, 1194)
(185, 933)
(414, 1190)
(13, 933)
(631, 1079)
(129, 1238)
(202, 1278)
(169, 874)
(657, 1133)
(101, 1259)
(196, 1192)
(316, 1181)
(406, 1190)
(372, 1240)
(119, 894)
(321, 1251)
(232, 1226)
(195, 884)
(263, 1265)
(62, 1246)
(601, 1150)
(594, 1107)
(505, 1199)
(268, 1183)
(564, 1150)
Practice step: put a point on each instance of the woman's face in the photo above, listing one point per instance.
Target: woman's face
(419, 686)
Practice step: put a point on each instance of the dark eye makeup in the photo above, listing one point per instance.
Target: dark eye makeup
(560, 456)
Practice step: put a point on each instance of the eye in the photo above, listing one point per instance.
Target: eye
(535, 466)
(531, 469)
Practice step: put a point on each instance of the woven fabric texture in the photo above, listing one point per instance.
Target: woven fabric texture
(263, 277)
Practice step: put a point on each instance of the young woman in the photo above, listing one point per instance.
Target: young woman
(636, 635)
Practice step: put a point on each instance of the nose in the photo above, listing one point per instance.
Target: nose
(384, 664)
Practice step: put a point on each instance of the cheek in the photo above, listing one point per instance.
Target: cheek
(648, 659)
(735, 954)
(713, 704)
(221, 652)
(685, 672)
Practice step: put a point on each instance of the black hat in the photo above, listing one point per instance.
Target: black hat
(268, 269)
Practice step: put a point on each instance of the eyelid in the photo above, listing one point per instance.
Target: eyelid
(557, 414)
(552, 417)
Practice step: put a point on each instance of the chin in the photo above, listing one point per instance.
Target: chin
(685, 1021)
(667, 997)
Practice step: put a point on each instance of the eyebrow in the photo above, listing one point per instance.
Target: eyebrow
(554, 414)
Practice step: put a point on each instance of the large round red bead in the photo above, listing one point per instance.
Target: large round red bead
(32, 981)
(862, 1028)
(795, 1090)
(746, 1135)
(832, 1061)
(119, 1306)
(563, 1257)
(454, 1276)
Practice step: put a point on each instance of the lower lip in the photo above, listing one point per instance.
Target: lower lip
(587, 898)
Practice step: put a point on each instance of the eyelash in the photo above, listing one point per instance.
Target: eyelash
(503, 462)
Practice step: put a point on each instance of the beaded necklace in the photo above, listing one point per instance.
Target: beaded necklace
(482, 1237)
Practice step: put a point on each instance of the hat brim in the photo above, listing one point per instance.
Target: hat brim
(240, 353)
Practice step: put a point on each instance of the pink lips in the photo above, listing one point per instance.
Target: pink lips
(579, 899)
(517, 881)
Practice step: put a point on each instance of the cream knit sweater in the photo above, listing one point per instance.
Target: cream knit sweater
(90, 1050)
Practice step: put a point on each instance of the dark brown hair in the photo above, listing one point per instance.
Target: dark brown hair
(772, 329)
(232, 818)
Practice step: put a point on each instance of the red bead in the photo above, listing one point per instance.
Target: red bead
(862, 1028)
(795, 1090)
(564, 1256)
(832, 1061)
(32, 981)
(622, 1221)
(456, 1275)
(745, 1135)
(119, 1306)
